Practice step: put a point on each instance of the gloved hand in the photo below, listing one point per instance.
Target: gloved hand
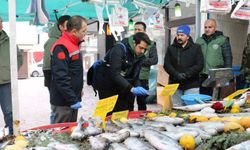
(76, 105)
(181, 76)
(139, 91)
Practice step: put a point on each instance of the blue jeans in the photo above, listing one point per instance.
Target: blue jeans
(177, 96)
(6, 105)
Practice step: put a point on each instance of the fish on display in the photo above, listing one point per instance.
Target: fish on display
(195, 107)
(242, 146)
(118, 146)
(61, 146)
(169, 120)
(114, 137)
(137, 144)
(161, 141)
(98, 143)
(132, 132)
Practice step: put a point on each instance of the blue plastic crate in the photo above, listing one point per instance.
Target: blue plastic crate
(189, 99)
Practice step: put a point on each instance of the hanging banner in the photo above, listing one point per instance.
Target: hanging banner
(119, 16)
(216, 6)
(156, 21)
(242, 10)
(99, 10)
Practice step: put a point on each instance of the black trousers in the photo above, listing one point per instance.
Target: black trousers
(205, 90)
(125, 100)
(141, 100)
(47, 78)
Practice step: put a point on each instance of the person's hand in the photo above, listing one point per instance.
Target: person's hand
(76, 105)
(139, 91)
(181, 76)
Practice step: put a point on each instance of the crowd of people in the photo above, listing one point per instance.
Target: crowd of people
(125, 68)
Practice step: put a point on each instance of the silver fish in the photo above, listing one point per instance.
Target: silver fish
(242, 146)
(98, 143)
(61, 146)
(161, 141)
(218, 126)
(195, 107)
(114, 137)
(168, 120)
(118, 146)
(132, 132)
(136, 144)
(176, 135)
(110, 127)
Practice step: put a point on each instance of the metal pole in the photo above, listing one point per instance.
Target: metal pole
(13, 66)
(197, 19)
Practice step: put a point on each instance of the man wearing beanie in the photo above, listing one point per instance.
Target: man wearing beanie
(183, 62)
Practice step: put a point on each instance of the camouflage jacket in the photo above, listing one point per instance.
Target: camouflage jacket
(245, 64)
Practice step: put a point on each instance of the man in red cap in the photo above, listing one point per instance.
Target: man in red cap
(183, 62)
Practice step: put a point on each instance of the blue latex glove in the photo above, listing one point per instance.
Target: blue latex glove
(139, 91)
(76, 105)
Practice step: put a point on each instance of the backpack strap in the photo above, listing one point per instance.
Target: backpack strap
(123, 47)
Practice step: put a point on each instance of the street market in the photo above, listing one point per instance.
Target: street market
(125, 75)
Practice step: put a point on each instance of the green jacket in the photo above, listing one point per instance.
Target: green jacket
(54, 35)
(151, 59)
(5, 58)
(245, 64)
(216, 51)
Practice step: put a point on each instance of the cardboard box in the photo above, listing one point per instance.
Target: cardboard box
(160, 99)
(162, 76)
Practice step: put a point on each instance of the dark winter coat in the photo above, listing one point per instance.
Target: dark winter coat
(67, 71)
(121, 69)
(188, 60)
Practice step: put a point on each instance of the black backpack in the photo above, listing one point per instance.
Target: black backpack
(91, 74)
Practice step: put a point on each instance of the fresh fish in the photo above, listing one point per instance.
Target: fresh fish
(202, 133)
(118, 146)
(176, 135)
(114, 137)
(137, 144)
(110, 127)
(61, 146)
(168, 120)
(135, 121)
(98, 143)
(160, 125)
(40, 148)
(121, 125)
(218, 126)
(195, 107)
(242, 100)
(80, 132)
(132, 132)
(161, 141)
(242, 146)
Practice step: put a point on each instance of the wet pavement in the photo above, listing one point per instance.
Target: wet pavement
(35, 107)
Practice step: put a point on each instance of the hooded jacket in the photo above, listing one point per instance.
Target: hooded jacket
(121, 69)
(216, 50)
(5, 58)
(188, 60)
(54, 35)
(151, 58)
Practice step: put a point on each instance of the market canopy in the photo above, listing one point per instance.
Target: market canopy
(85, 8)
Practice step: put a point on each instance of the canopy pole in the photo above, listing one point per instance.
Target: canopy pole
(13, 66)
(197, 19)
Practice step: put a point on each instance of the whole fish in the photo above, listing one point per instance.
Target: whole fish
(118, 146)
(160, 141)
(114, 137)
(137, 144)
(218, 126)
(132, 132)
(110, 127)
(168, 120)
(176, 135)
(195, 107)
(98, 143)
(242, 146)
(61, 146)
